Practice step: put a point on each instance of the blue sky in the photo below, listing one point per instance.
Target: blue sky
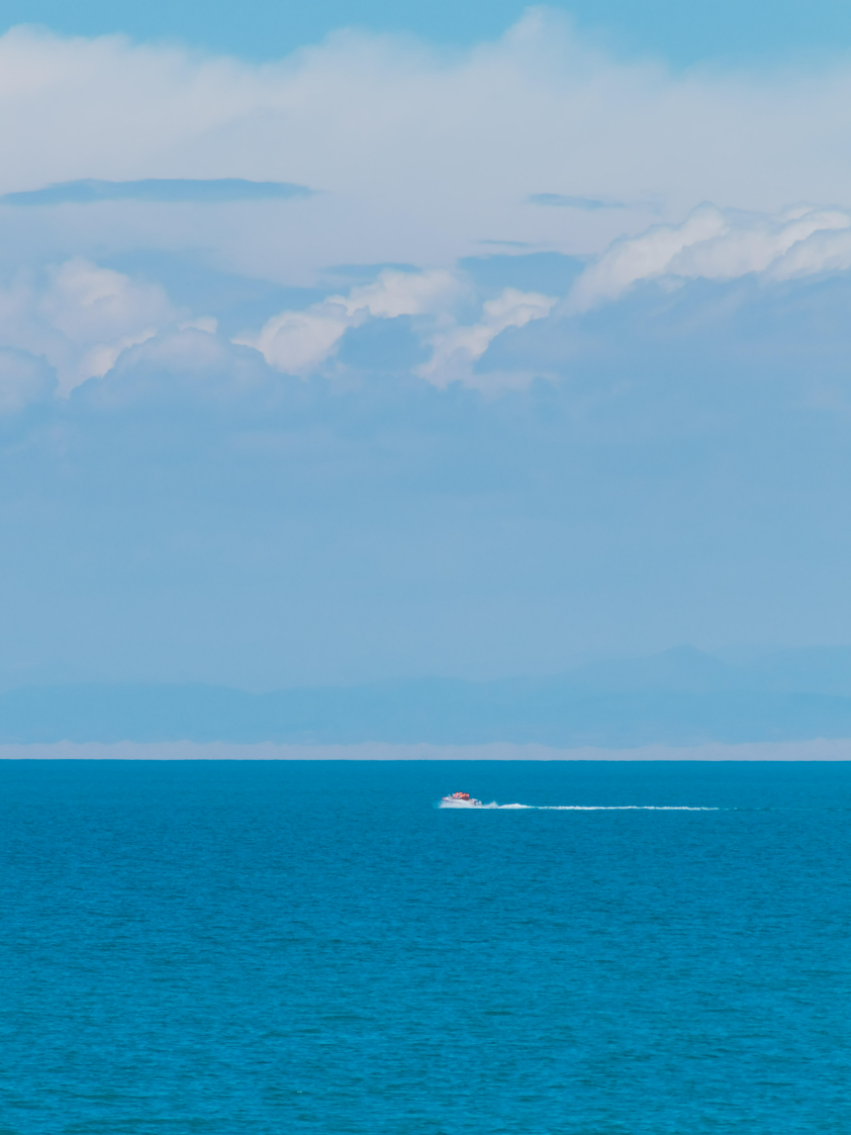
(266, 29)
(333, 355)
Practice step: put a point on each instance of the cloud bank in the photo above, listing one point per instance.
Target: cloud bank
(80, 317)
(418, 154)
(669, 466)
(413, 422)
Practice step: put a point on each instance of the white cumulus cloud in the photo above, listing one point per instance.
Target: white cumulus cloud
(80, 317)
(456, 348)
(298, 341)
(719, 244)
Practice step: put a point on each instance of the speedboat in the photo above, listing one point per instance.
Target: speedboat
(460, 800)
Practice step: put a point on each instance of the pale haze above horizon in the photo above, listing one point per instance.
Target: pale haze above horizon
(353, 343)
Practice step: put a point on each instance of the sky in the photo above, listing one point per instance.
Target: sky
(681, 34)
(360, 341)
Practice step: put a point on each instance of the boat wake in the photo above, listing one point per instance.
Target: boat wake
(462, 800)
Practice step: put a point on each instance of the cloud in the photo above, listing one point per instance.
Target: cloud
(336, 494)
(80, 317)
(420, 154)
(456, 348)
(298, 342)
(404, 293)
(560, 201)
(183, 371)
(23, 381)
(721, 244)
(195, 513)
(171, 191)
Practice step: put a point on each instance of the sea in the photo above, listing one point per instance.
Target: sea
(262, 947)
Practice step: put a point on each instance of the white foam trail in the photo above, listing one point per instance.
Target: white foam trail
(579, 807)
(617, 808)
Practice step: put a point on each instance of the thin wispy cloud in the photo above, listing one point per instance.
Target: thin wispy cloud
(562, 201)
(167, 191)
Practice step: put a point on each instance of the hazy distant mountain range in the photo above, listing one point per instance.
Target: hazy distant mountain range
(680, 697)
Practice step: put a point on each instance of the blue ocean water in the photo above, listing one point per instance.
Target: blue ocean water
(312, 946)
